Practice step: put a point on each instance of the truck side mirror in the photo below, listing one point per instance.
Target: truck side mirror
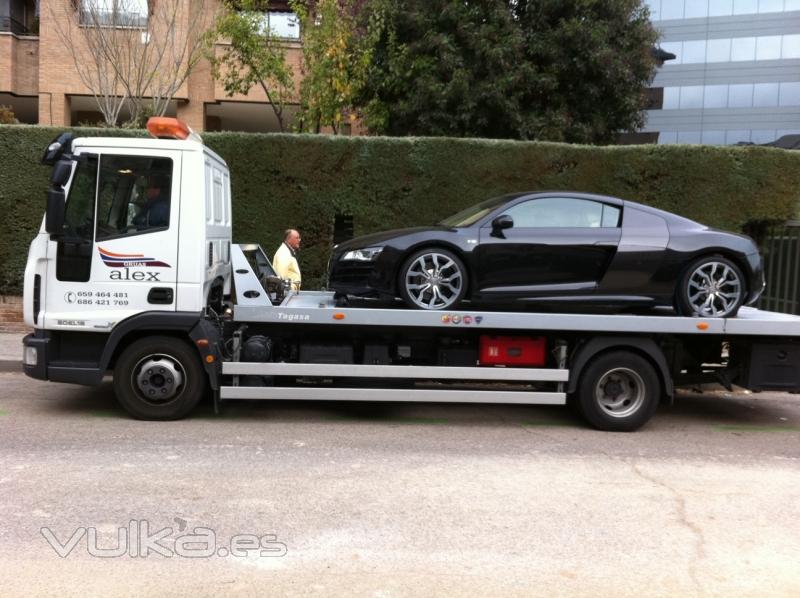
(61, 145)
(54, 219)
(500, 224)
(61, 173)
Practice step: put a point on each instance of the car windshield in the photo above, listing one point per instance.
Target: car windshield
(474, 213)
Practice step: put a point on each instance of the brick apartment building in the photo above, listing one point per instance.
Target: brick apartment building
(39, 80)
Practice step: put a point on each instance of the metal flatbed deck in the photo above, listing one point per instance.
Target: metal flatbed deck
(319, 308)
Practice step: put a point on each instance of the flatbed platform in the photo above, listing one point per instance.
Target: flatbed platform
(318, 307)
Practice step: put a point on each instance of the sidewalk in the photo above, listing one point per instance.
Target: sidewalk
(11, 351)
(12, 329)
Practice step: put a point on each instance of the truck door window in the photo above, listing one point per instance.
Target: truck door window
(74, 249)
(79, 211)
(134, 196)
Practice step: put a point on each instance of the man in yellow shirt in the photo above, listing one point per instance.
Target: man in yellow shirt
(285, 260)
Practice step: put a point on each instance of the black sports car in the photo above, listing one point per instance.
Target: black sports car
(555, 248)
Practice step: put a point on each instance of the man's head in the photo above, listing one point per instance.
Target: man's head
(156, 186)
(292, 238)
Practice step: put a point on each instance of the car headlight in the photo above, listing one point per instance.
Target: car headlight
(368, 254)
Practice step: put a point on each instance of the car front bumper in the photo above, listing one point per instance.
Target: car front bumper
(363, 279)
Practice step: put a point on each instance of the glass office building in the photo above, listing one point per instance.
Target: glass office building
(736, 72)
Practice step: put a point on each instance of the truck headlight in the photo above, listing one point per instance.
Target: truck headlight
(30, 356)
(368, 254)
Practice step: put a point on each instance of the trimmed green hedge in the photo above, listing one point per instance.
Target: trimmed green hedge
(303, 181)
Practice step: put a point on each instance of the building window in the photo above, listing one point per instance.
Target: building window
(696, 9)
(789, 94)
(720, 8)
(691, 96)
(689, 137)
(671, 9)
(281, 24)
(114, 13)
(740, 95)
(716, 96)
(743, 48)
(713, 137)
(667, 137)
(765, 95)
(768, 47)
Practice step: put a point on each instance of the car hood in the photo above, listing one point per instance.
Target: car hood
(376, 239)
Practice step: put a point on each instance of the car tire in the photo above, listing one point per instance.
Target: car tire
(159, 378)
(433, 279)
(618, 391)
(711, 287)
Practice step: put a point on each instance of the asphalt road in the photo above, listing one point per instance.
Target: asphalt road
(394, 500)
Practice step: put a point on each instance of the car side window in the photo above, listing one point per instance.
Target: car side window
(134, 195)
(564, 212)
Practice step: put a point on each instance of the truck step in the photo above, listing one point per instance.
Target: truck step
(392, 394)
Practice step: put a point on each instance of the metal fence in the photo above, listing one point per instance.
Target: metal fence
(781, 251)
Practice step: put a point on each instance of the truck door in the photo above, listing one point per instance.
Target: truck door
(118, 254)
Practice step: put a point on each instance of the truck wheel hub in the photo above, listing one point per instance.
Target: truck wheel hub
(158, 377)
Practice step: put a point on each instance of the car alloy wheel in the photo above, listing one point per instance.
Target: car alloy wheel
(434, 280)
(714, 289)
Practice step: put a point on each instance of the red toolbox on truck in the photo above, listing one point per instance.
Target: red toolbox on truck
(512, 350)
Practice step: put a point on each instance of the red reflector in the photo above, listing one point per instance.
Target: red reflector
(512, 350)
(164, 126)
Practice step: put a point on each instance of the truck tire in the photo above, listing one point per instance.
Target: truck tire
(159, 378)
(619, 391)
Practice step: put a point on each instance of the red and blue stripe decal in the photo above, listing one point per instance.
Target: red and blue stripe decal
(129, 260)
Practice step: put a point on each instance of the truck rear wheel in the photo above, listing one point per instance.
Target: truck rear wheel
(618, 391)
(159, 378)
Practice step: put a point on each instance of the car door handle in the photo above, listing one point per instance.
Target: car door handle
(160, 296)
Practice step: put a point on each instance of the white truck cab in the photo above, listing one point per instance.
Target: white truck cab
(135, 227)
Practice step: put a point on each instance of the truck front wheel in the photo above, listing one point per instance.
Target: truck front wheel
(159, 378)
(618, 391)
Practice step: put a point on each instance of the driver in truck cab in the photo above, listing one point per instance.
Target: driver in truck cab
(155, 211)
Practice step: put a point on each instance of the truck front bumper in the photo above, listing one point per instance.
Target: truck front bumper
(34, 354)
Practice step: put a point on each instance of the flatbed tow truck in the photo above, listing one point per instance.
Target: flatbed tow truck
(175, 312)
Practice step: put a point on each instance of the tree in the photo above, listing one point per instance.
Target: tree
(336, 58)
(591, 63)
(446, 67)
(133, 53)
(253, 56)
(571, 70)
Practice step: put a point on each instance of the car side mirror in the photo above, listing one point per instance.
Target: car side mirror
(500, 224)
